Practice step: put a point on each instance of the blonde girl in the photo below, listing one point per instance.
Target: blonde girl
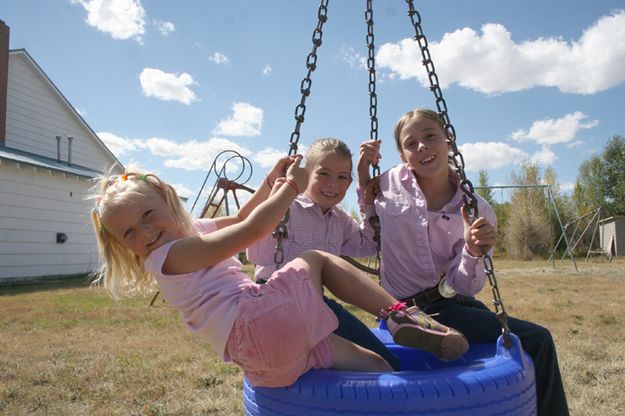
(276, 331)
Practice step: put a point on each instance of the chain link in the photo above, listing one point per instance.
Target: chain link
(281, 231)
(470, 201)
(373, 114)
(311, 65)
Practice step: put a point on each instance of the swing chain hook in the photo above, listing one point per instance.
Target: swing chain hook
(470, 201)
(373, 115)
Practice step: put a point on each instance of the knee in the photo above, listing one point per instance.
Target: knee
(538, 340)
(544, 335)
(380, 364)
(312, 255)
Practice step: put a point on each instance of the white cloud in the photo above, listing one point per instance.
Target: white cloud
(567, 187)
(491, 62)
(490, 155)
(182, 190)
(165, 27)
(267, 70)
(246, 120)
(552, 131)
(122, 19)
(577, 143)
(166, 86)
(544, 156)
(268, 157)
(191, 155)
(117, 145)
(352, 58)
(219, 58)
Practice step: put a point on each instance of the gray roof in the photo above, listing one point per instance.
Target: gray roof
(45, 162)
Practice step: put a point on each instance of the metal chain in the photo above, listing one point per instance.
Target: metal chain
(311, 64)
(373, 114)
(281, 231)
(470, 201)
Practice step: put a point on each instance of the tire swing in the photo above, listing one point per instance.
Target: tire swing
(495, 379)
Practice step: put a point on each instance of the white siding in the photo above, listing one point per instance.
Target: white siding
(35, 205)
(612, 235)
(36, 114)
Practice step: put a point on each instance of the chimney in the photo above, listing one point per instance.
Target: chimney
(58, 148)
(69, 149)
(4, 79)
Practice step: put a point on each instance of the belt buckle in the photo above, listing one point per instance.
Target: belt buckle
(445, 290)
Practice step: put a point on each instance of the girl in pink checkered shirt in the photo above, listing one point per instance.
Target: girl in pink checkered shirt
(317, 222)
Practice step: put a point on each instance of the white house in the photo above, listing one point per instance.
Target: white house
(48, 154)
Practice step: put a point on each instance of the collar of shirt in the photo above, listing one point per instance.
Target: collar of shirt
(408, 180)
(306, 203)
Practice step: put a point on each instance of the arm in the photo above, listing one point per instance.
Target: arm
(367, 190)
(261, 194)
(262, 252)
(466, 271)
(369, 155)
(198, 252)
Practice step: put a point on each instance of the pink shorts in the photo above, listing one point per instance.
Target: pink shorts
(282, 329)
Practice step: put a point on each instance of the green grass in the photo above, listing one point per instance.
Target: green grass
(68, 349)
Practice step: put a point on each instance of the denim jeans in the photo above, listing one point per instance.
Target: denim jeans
(352, 329)
(479, 324)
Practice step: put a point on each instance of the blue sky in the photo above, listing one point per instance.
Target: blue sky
(169, 84)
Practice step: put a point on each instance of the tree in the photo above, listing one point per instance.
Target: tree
(614, 175)
(563, 203)
(601, 181)
(528, 232)
(485, 193)
(499, 209)
(590, 188)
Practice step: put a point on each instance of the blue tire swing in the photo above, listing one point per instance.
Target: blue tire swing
(489, 380)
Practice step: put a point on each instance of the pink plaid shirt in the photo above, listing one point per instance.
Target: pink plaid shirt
(335, 232)
(419, 245)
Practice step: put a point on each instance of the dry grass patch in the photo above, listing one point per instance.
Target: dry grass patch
(70, 350)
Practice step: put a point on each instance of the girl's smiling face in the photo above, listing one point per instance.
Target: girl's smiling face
(424, 147)
(330, 177)
(140, 222)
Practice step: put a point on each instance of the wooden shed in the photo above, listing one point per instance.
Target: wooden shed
(48, 154)
(612, 235)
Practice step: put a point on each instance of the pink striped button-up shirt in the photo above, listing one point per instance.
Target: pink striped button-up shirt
(335, 232)
(419, 245)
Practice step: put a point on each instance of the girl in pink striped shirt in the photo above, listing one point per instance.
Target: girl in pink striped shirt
(426, 234)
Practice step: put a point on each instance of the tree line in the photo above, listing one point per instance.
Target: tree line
(527, 224)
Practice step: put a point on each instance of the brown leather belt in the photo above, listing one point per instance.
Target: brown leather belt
(427, 296)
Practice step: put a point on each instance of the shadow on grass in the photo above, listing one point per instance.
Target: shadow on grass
(44, 284)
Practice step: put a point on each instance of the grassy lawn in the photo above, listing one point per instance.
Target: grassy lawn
(68, 349)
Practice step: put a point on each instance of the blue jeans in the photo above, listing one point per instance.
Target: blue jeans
(352, 329)
(479, 324)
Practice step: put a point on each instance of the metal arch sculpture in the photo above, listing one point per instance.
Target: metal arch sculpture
(227, 162)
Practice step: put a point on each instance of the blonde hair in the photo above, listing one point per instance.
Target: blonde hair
(120, 271)
(324, 146)
(410, 115)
